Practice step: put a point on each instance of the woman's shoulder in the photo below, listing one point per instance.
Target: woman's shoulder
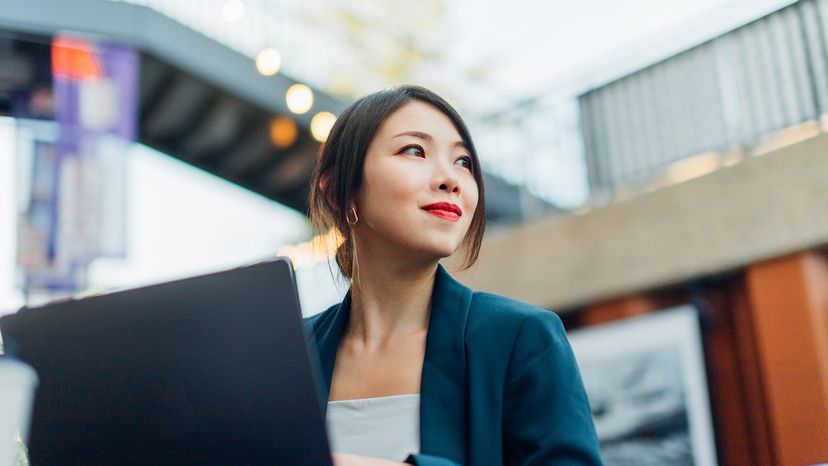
(496, 314)
(502, 308)
(504, 334)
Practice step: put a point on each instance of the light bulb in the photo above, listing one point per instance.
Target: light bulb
(321, 125)
(268, 61)
(299, 98)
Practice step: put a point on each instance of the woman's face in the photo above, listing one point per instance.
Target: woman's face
(418, 192)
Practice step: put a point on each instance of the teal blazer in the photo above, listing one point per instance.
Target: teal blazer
(500, 385)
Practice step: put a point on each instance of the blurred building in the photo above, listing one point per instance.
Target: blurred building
(696, 178)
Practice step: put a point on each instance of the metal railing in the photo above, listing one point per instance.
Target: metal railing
(726, 94)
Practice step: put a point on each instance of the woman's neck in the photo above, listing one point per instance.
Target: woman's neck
(389, 299)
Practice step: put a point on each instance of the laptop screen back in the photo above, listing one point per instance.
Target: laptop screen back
(211, 370)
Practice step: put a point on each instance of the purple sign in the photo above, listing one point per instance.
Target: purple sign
(76, 209)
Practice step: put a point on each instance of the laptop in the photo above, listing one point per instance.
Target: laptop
(214, 369)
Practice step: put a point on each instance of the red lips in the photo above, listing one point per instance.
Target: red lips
(444, 210)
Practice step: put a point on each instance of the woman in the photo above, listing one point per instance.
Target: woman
(417, 367)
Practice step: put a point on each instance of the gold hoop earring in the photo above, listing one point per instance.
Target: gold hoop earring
(348, 219)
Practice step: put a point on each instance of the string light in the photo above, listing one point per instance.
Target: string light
(283, 132)
(321, 125)
(268, 61)
(299, 98)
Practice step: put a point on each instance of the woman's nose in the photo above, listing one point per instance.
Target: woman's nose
(445, 178)
(450, 186)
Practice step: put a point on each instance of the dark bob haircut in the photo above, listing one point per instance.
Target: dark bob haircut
(342, 158)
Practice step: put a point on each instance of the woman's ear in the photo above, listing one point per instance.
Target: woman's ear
(324, 185)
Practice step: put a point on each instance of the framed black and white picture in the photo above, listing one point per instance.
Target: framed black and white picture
(646, 382)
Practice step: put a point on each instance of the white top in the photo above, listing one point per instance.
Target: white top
(387, 427)
(17, 374)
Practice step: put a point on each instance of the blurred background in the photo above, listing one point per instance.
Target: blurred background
(642, 159)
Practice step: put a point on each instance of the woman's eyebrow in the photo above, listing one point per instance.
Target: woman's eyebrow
(427, 137)
(416, 134)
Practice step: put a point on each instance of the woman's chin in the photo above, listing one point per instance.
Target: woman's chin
(439, 252)
(427, 246)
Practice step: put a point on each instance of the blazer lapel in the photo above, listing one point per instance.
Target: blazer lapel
(328, 334)
(443, 393)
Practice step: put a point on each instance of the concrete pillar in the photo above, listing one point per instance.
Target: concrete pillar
(789, 307)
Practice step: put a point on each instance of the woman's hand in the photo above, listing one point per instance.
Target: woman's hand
(344, 459)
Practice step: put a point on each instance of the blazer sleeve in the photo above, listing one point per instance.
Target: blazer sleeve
(429, 460)
(546, 415)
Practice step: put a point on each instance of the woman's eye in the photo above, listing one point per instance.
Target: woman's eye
(412, 150)
(464, 162)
